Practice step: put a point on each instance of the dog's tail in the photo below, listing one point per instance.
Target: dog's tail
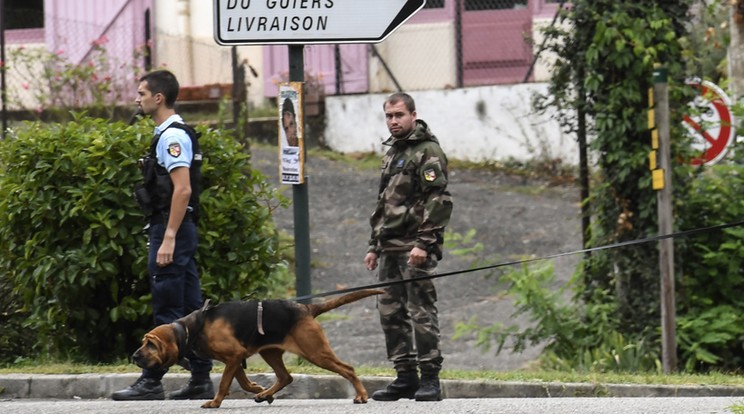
(318, 308)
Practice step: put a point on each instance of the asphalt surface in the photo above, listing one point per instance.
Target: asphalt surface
(708, 405)
(499, 217)
(100, 386)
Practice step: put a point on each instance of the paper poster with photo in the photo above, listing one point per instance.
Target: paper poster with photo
(291, 142)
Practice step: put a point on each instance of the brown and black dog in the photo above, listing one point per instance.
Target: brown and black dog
(233, 331)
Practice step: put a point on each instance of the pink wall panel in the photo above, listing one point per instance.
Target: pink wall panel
(71, 26)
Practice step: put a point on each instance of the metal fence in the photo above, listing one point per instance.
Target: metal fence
(457, 43)
(71, 63)
(448, 44)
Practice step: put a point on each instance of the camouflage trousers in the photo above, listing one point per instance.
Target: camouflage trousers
(408, 314)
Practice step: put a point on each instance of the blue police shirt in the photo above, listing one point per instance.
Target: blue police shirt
(174, 146)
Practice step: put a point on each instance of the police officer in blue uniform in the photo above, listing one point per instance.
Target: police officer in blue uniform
(169, 197)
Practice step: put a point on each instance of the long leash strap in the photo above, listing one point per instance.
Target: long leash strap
(685, 233)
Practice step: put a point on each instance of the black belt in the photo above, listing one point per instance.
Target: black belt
(162, 218)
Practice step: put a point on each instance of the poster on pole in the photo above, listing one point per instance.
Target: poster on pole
(291, 134)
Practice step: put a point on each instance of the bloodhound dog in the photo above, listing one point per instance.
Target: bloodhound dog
(233, 331)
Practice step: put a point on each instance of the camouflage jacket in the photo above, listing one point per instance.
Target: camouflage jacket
(413, 204)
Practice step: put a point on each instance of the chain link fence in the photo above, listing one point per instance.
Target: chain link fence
(448, 44)
(459, 43)
(82, 65)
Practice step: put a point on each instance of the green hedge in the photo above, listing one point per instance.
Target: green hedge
(71, 242)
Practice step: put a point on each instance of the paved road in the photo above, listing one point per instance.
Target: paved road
(706, 405)
(89, 393)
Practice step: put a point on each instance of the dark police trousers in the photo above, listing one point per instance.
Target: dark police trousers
(176, 290)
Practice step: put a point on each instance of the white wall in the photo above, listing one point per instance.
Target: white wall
(186, 45)
(476, 124)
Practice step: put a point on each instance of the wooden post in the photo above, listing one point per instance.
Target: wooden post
(736, 54)
(662, 181)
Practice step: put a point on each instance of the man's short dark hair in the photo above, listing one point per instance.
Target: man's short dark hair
(401, 97)
(165, 82)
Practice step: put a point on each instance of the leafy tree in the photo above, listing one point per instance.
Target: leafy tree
(605, 66)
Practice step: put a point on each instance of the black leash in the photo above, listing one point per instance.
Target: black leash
(685, 233)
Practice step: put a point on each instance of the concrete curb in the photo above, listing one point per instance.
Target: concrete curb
(95, 386)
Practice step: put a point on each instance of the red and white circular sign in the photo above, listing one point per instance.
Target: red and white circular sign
(712, 126)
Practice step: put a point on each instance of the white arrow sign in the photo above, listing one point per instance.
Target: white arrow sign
(240, 22)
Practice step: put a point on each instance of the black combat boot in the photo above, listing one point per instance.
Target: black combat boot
(404, 386)
(142, 389)
(430, 390)
(198, 388)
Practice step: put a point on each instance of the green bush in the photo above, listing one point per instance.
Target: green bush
(71, 239)
(710, 266)
(576, 336)
(588, 336)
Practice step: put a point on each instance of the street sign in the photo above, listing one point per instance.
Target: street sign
(243, 22)
(712, 126)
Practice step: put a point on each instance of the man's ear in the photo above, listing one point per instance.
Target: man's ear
(159, 98)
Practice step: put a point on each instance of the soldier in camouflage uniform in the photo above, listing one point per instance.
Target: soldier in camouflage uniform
(413, 208)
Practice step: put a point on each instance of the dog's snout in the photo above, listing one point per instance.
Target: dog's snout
(138, 358)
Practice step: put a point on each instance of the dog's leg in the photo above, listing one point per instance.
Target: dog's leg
(273, 357)
(314, 347)
(227, 376)
(249, 385)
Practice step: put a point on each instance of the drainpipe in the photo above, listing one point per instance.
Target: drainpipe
(186, 69)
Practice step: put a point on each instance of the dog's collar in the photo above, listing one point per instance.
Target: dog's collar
(182, 338)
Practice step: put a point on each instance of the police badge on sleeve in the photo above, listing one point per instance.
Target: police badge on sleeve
(174, 149)
(433, 176)
(430, 175)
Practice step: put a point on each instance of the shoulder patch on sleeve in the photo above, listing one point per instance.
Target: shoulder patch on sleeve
(433, 176)
(430, 175)
(174, 150)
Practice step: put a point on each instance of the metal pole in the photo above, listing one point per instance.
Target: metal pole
(237, 84)
(148, 39)
(339, 70)
(3, 86)
(586, 222)
(458, 43)
(666, 246)
(300, 193)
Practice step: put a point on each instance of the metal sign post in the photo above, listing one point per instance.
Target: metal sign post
(300, 194)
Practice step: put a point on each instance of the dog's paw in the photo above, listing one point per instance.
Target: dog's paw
(360, 400)
(211, 404)
(260, 399)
